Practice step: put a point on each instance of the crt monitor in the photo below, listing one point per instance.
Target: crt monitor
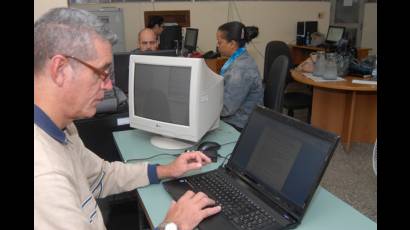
(121, 63)
(171, 37)
(178, 98)
(191, 39)
(334, 34)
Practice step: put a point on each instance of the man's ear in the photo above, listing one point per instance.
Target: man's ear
(58, 64)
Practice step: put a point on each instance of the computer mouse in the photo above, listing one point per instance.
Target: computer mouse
(210, 148)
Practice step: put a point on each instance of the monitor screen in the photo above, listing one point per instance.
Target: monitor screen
(334, 34)
(171, 37)
(162, 93)
(176, 97)
(191, 38)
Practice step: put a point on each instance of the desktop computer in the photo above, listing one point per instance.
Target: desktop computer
(178, 98)
(304, 30)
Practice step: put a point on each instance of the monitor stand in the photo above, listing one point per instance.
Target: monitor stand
(163, 142)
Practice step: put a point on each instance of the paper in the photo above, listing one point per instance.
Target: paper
(347, 2)
(123, 121)
(319, 79)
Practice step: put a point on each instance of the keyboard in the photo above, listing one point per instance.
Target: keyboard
(236, 206)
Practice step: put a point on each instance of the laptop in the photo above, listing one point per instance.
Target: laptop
(270, 178)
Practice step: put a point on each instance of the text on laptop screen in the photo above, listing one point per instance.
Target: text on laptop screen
(282, 158)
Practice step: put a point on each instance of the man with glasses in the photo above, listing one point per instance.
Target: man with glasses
(72, 69)
(147, 40)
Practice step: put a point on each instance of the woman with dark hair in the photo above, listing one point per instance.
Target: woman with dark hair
(243, 88)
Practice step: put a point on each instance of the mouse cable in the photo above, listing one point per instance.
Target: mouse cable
(229, 143)
(147, 158)
(225, 158)
(194, 149)
(176, 155)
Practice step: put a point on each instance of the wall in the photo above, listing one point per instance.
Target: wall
(369, 34)
(276, 19)
(41, 6)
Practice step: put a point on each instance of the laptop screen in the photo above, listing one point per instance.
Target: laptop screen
(334, 34)
(284, 156)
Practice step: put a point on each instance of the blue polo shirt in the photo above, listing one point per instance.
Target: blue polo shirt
(45, 123)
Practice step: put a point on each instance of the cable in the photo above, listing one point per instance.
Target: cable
(225, 158)
(174, 155)
(240, 19)
(229, 143)
(147, 158)
(229, 6)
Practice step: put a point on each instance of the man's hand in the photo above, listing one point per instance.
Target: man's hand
(185, 162)
(190, 210)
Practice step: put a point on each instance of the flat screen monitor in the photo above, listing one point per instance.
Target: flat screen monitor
(171, 37)
(191, 39)
(121, 63)
(177, 99)
(334, 34)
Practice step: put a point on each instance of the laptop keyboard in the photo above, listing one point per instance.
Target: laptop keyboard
(236, 206)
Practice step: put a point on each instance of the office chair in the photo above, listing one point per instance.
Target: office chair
(275, 83)
(292, 100)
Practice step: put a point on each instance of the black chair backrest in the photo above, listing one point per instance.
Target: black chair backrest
(275, 83)
(272, 51)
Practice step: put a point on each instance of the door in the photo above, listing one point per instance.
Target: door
(349, 14)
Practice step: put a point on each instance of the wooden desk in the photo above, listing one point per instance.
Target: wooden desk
(348, 109)
(215, 64)
(300, 53)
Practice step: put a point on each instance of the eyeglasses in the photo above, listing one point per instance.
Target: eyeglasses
(101, 73)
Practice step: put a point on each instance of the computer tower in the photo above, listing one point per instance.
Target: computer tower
(171, 38)
(304, 30)
(96, 132)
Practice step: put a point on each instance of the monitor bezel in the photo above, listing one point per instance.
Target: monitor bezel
(188, 47)
(166, 52)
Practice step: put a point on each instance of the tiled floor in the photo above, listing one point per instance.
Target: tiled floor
(350, 176)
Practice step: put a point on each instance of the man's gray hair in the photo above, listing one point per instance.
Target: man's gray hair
(68, 31)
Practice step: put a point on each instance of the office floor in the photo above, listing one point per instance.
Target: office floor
(350, 176)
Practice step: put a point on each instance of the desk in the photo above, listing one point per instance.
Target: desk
(325, 212)
(348, 109)
(300, 53)
(215, 64)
